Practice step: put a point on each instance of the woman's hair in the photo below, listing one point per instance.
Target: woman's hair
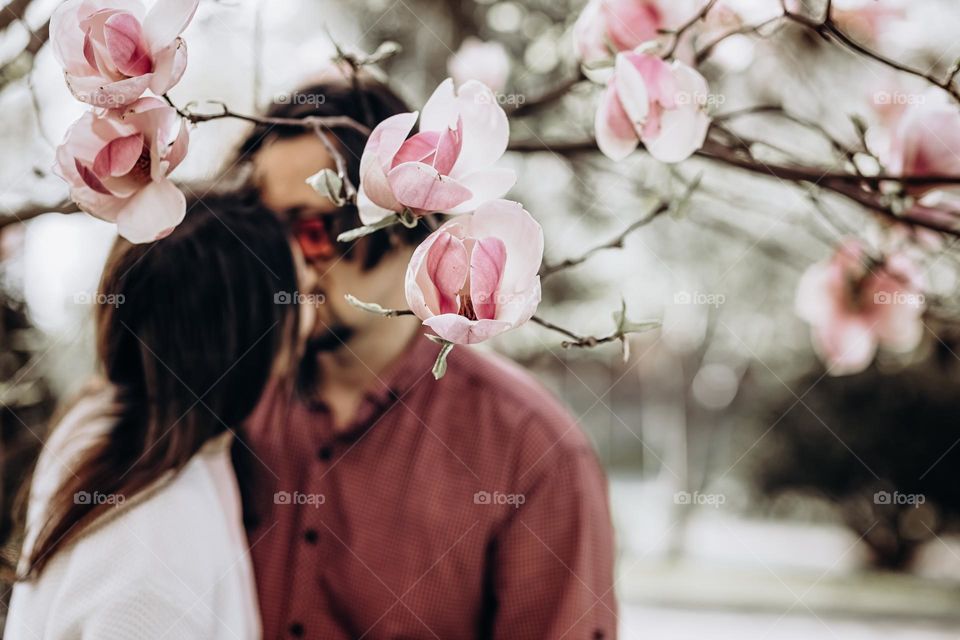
(367, 101)
(193, 326)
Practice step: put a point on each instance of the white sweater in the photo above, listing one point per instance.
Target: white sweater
(171, 562)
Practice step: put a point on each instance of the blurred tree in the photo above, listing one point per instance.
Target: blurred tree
(883, 447)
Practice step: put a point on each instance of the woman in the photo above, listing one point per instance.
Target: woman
(134, 521)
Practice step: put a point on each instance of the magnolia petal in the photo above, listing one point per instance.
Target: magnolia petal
(123, 38)
(521, 234)
(486, 269)
(441, 109)
(93, 91)
(447, 267)
(484, 186)
(169, 65)
(419, 186)
(166, 20)
(682, 133)
(420, 293)
(152, 213)
(384, 143)
(119, 156)
(616, 135)
(67, 38)
(486, 130)
(460, 330)
(631, 87)
(370, 212)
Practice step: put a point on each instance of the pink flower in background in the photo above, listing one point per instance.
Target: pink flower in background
(112, 51)
(853, 306)
(926, 142)
(116, 164)
(663, 104)
(447, 166)
(867, 19)
(476, 276)
(486, 62)
(606, 27)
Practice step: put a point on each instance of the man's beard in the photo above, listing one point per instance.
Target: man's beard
(333, 338)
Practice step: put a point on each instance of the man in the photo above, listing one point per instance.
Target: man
(383, 503)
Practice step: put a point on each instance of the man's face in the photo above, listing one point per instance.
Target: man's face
(280, 171)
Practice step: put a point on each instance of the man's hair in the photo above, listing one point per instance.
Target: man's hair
(368, 102)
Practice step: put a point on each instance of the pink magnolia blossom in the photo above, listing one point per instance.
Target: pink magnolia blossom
(867, 19)
(476, 276)
(854, 305)
(112, 51)
(926, 142)
(663, 104)
(116, 163)
(447, 166)
(606, 27)
(486, 62)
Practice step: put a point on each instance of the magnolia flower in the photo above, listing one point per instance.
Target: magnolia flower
(112, 51)
(867, 19)
(853, 305)
(476, 276)
(606, 27)
(447, 167)
(663, 104)
(116, 164)
(926, 142)
(486, 62)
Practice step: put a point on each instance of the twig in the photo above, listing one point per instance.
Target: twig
(616, 243)
(30, 211)
(577, 341)
(689, 24)
(547, 97)
(828, 29)
(308, 122)
(708, 49)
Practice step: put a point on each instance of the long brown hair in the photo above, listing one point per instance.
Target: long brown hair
(188, 332)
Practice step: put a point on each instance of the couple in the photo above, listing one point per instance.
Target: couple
(255, 464)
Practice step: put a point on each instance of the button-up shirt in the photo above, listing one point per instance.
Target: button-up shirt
(469, 507)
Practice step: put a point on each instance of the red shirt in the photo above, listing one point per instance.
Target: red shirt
(469, 507)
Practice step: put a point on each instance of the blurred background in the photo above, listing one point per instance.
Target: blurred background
(753, 495)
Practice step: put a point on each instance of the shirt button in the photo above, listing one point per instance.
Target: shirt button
(311, 536)
(325, 453)
(598, 635)
(296, 629)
